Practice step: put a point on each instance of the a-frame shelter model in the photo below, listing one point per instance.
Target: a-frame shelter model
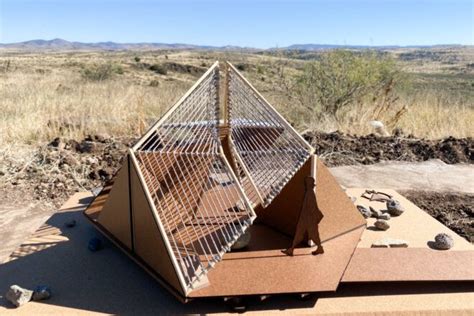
(220, 162)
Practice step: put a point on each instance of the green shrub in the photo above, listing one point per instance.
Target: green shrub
(137, 59)
(341, 78)
(100, 72)
(159, 69)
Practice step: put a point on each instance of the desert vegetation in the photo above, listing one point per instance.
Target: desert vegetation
(120, 93)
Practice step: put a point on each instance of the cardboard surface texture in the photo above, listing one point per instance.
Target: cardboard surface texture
(107, 282)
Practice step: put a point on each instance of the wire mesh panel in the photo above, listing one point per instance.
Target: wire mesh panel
(197, 197)
(267, 145)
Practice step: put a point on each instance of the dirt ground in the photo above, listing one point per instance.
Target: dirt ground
(338, 149)
(454, 210)
(64, 166)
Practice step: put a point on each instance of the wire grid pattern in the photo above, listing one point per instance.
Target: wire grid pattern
(271, 152)
(198, 201)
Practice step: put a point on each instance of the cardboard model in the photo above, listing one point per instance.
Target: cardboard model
(219, 163)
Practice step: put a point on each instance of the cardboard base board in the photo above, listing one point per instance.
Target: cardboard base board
(107, 282)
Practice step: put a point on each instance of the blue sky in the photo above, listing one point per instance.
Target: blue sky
(257, 23)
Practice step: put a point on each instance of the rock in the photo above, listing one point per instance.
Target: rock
(106, 173)
(95, 244)
(93, 161)
(382, 224)
(394, 208)
(101, 138)
(375, 213)
(242, 241)
(70, 160)
(364, 211)
(57, 143)
(384, 216)
(18, 296)
(443, 242)
(70, 223)
(41, 292)
(96, 191)
(240, 206)
(390, 243)
(86, 147)
(353, 198)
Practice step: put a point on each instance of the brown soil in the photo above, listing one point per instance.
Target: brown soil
(338, 149)
(454, 210)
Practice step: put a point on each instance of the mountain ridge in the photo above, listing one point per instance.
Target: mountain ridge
(61, 44)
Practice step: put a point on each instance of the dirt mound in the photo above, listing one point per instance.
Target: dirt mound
(184, 69)
(338, 149)
(63, 167)
(454, 210)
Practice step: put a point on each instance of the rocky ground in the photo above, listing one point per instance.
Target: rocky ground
(454, 210)
(338, 149)
(65, 166)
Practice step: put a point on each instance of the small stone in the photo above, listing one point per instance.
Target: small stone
(70, 160)
(101, 138)
(390, 243)
(353, 198)
(394, 208)
(86, 147)
(18, 296)
(95, 244)
(240, 206)
(57, 143)
(93, 161)
(96, 191)
(41, 292)
(375, 213)
(242, 241)
(382, 224)
(364, 211)
(443, 242)
(384, 216)
(70, 224)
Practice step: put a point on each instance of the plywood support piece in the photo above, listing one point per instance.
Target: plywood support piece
(340, 214)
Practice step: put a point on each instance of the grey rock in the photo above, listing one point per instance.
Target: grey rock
(443, 242)
(42, 292)
(394, 208)
(382, 224)
(96, 191)
(390, 243)
(18, 296)
(364, 211)
(384, 216)
(352, 198)
(242, 241)
(375, 213)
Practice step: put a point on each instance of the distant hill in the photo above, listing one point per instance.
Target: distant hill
(58, 44)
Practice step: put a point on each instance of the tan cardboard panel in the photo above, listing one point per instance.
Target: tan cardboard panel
(414, 225)
(115, 214)
(149, 244)
(409, 264)
(264, 269)
(340, 214)
(418, 262)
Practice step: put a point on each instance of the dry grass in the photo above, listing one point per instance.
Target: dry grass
(44, 96)
(37, 108)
